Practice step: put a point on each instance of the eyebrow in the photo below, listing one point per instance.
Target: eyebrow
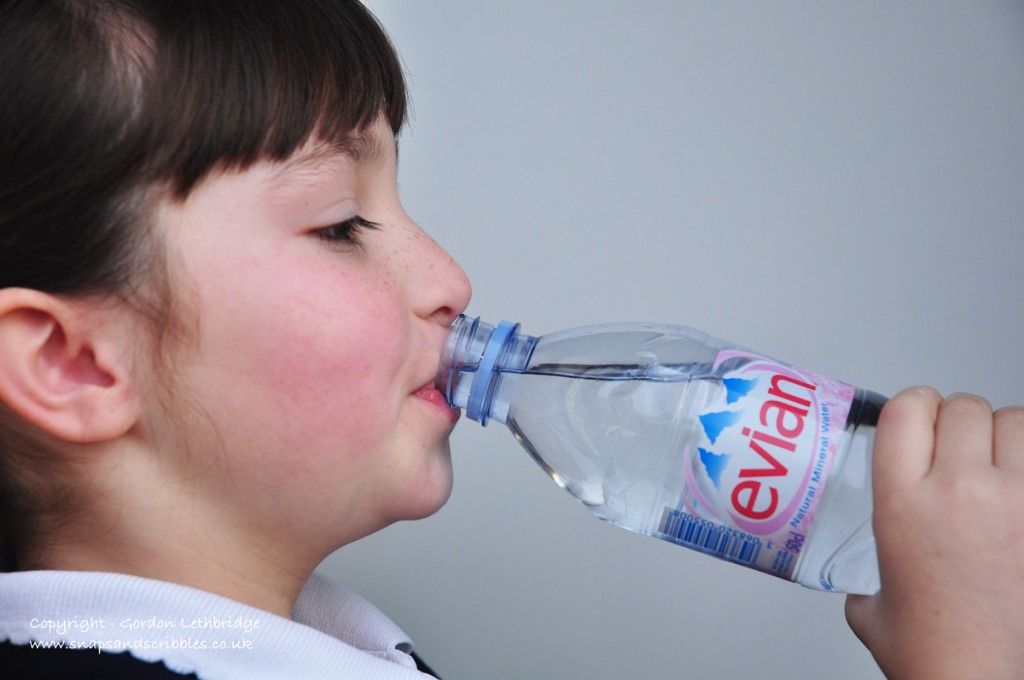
(358, 148)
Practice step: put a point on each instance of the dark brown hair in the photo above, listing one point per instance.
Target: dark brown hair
(108, 105)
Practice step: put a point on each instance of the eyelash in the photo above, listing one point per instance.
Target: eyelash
(350, 231)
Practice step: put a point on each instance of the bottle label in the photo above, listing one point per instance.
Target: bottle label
(766, 437)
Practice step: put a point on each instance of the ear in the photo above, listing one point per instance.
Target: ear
(63, 365)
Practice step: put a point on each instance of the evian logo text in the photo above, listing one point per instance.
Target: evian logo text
(761, 444)
(783, 418)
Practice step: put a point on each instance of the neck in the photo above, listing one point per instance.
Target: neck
(257, 583)
(163, 531)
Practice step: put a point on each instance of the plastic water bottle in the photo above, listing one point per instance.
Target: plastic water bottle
(668, 432)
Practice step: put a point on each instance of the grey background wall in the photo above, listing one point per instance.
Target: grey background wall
(838, 184)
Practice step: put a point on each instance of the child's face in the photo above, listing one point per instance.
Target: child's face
(315, 358)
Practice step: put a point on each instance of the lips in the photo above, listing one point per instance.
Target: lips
(430, 394)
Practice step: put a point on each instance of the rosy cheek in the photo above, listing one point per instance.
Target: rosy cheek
(332, 389)
(317, 350)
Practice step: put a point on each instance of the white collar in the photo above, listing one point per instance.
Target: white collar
(335, 634)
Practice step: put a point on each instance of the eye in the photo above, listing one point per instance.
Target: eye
(347, 232)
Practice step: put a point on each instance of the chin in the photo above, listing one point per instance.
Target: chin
(434, 502)
(433, 491)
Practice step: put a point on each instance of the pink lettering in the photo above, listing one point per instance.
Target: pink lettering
(783, 416)
(777, 469)
(748, 506)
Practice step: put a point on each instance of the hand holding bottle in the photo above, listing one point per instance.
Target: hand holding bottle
(949, 526)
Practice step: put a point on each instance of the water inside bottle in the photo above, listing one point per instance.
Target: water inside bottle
(602, 433)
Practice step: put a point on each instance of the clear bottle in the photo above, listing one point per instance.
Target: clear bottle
(666, 431)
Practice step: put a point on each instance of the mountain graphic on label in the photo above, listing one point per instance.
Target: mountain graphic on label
(737, 388)
(714, 464)
(715, 423)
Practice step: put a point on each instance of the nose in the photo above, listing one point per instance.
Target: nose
(439, 289)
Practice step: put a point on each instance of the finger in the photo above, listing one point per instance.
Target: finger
(963, 432)
(1008, 438)
(903, 442)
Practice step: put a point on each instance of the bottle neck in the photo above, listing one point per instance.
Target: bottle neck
(475, 356)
